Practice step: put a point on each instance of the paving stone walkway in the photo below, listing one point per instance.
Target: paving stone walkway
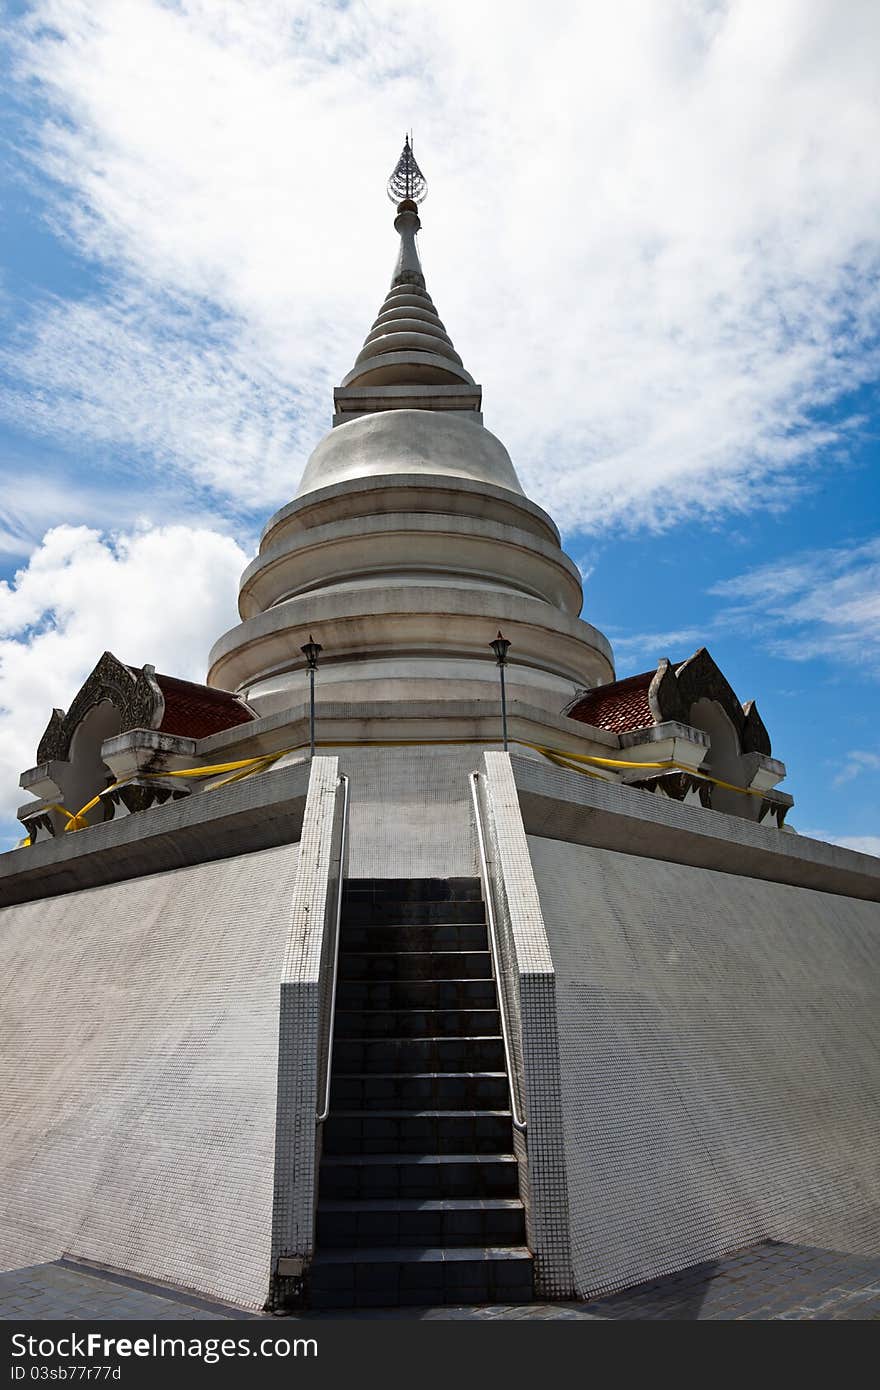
(769, 1281)
(75, 1294)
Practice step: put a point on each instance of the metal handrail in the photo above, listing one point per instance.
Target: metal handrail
(343, 841)
(518, 1124)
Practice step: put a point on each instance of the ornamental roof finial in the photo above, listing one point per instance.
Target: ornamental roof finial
(407, 183)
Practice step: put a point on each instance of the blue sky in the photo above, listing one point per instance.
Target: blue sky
(651, 231)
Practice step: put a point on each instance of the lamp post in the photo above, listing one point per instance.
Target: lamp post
(311, 651)
(501, 647)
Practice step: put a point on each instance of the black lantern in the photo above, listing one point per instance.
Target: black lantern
(311, 651)
(501, 647)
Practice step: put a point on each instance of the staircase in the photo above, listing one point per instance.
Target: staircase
(418, 1192)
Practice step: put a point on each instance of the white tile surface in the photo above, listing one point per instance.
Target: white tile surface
(720, 1062)
(138, 1030)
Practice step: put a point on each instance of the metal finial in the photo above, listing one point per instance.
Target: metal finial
(407, 181)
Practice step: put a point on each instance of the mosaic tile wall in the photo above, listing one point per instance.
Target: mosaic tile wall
(139, 1032)
(720, 1062)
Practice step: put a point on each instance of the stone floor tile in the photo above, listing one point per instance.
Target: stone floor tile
(770, 1282)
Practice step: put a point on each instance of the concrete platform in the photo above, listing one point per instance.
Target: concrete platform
(766, 1282)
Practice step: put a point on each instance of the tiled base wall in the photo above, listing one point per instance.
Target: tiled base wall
(720, 1062)
(139, 1035)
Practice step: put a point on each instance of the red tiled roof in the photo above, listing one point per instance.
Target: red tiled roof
(618, 707)
(194, 711)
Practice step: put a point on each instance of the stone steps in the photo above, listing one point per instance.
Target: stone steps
(416, 1023)
(419, 1090)
(418, 1184)
(414, 965)
(410, 1176)
(380, 1277)
(462, 1221)
(418, 1055)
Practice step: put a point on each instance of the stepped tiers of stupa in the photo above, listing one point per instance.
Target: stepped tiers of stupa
(409, 530)
(414, 957)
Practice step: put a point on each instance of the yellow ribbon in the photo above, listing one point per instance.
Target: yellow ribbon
(246, 767)
(242, 767)
(77, 821)
(571, 760)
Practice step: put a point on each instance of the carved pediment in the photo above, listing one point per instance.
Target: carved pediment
(134, 694)
(699, 678)
(674, 691)
(668, 696)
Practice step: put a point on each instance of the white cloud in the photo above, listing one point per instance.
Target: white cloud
(652, 231)
(634, 649)
(821, 604)
(49, 498)
(159, 595)
(863, 844)
(855, 763)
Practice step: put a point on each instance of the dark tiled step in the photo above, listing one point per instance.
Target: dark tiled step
(356, 1177)
(417, 1055)
(416, 994)
(415, 965)
(463, 1222)
(416, 1023)
(421, 1091)
(394, 913)
(414, 889)
(417, 1132)
(438, 936)
(382, 1277)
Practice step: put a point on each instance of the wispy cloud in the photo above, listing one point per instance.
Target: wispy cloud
(652, 232)
(821, 604)
(640, 650)
(863, 844)
(855, 763)
(818, 605)
(36, 494)
(177, 386)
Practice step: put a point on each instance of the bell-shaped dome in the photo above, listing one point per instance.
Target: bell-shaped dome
(438, 442)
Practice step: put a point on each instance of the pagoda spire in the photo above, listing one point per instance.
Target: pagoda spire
(408, 360)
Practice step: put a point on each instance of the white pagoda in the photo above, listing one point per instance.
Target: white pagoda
(414, 958)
